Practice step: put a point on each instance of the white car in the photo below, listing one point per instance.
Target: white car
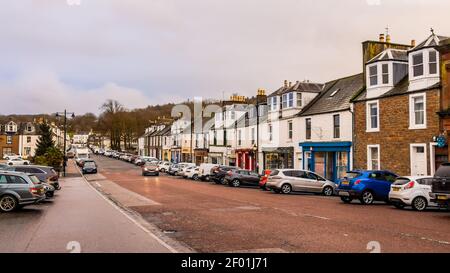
(17, 161)
(164, 166)
(411, 191)
(205, 170)
(183, 166)
(192, 173)
(11, 156)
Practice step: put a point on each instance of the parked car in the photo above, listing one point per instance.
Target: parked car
(89, 167)
(11, 156)
(205, 170)
(150, 168)
(411, 191)
(18, 190)
(45, 174)
(440, 189)
(143, 159)
(289, 180)
(164, 166)
(48, 189)
(192, 173)
(84, 161)
(108, 153)
(218, 173)
(3, 166)
(236, 178)
(183, 167)
(367, 186)
(70, 154)
(17, 161)
(173, 169)
(133, 158)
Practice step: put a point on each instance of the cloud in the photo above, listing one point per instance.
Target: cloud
(44, 92)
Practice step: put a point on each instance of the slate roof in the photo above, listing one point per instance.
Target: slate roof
(432, 41)
(390, 54)
(344, 89)
(298, 87)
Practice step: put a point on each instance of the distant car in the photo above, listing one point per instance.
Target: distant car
(133, 159)
(150, 168)
(290, 180)
(164, 166)
(411, 191)
(17, 161)
(440, 189)
(89, 167)
(173, 169)
(11, 156)
(143, 159)
(236, 178)
(108, 153)
(84, 161)
(183, 167)
(70, 154)
(3, 166)
(45, 174)
(367, 186)
(218, 173)
(18, 190)
(205, 170)
(192, 173)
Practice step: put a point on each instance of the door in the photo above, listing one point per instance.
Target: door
(418, 161)
(3, 183)
(254, 178)
(314, 182)
(20, 186)
(299, 181)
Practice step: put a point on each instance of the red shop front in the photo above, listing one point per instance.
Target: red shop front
(245, 159)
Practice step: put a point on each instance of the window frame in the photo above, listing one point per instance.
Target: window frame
(369, 127)
(337, 126)
(290, 128)
(412, 111)
(369, 157)
(308, 128)
(413, 65)
(373, 76)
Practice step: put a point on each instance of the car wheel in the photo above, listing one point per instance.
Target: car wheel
(236, 183)
(222, 181)
(367, 198)
(327, 191)
(8, 203)
(419, 203)
(346, 199)
(195, 177)
(399, 206)
(163, 170)
(286, 188)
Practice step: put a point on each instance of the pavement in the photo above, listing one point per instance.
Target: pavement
(78, 219)
(214, 218)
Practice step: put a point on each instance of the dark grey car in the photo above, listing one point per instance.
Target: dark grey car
(236, 178)
(18, 190)
(45, 174)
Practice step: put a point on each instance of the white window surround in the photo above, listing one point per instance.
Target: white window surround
(288, 100)
(369, 156)
(380, 73)
(412, 125)
(273, 103)
(411, 147)
(426, 64)
(368, 116)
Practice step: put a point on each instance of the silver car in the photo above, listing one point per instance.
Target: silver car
(289, 180)
(17, 190)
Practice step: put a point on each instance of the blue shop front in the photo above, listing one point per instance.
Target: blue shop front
(329, 159)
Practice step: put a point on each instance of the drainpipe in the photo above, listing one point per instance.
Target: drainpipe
(353, 136)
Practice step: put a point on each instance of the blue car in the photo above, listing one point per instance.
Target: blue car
(366, 186)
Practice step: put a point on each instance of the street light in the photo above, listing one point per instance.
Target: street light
(261, 96)
(64, 114)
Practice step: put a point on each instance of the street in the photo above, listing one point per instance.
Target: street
(214, 218)
(77, 219)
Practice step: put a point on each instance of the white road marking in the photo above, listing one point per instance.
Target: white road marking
(98, 184)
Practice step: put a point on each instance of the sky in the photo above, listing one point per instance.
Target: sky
(76, 54)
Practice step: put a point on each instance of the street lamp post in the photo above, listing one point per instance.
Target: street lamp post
(259, 97)
(64, 114)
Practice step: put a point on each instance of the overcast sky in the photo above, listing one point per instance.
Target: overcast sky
(54, 55)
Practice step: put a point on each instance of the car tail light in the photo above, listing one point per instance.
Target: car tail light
(409, 185)
(34, 190)
(357, 182)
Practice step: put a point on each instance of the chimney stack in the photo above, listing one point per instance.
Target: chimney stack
(413, 43)
(382, 37)
(290, 84)
(388, 38)
(285, 83)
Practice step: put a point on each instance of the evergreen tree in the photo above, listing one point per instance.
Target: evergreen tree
(45, 140)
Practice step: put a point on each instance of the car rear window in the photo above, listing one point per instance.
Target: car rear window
(34, 179)
(401, 181)
(352, 175)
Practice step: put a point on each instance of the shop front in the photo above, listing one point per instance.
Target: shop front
(215, 158)
(278, 158)
(176, 155)
(328, 159)
(246, 159)
(166, 155)
(201, 156)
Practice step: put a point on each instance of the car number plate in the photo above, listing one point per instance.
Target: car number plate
(344, 193)
(395, 189)
(345, 183)
(442, 197)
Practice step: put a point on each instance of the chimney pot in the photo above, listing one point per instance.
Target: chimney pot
(413, 43)
(388, 38)
(290, 84)
(285, 83)
(382, 37)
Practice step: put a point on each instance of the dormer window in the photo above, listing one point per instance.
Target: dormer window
(385, 73)
(299, 99)
(272, 102)
(288, 100)
(373, 75)
(432, 60)
(417, 64)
